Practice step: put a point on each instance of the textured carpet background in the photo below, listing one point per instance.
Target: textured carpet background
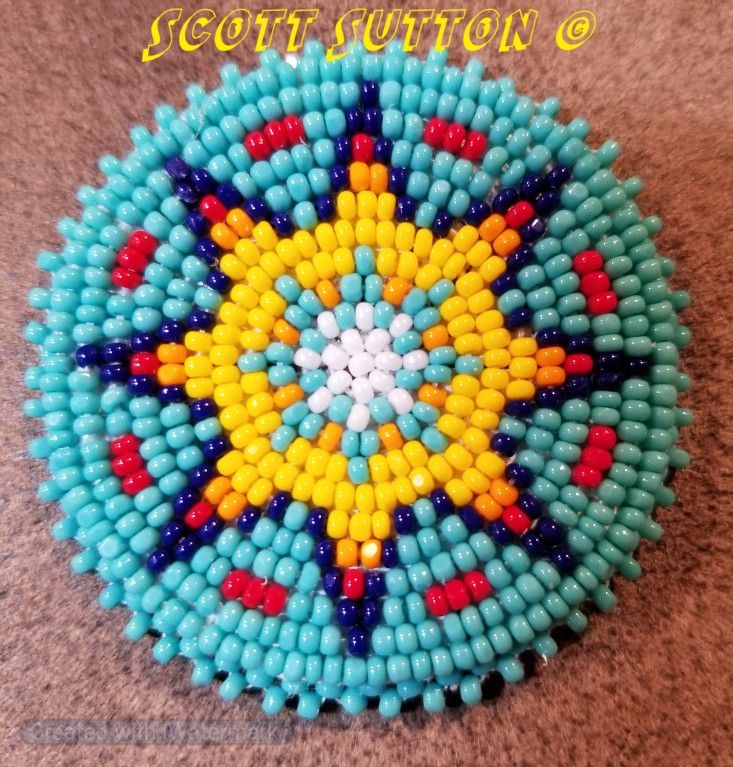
(649, 684)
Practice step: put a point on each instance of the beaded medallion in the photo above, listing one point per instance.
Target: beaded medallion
(358, 378)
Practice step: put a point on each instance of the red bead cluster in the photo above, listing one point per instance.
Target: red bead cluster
(127, 463)
(454, 138)
(596, 458)
(255, 592)
(133, 258)
(277, 134)
(457, 593)
(595, 284)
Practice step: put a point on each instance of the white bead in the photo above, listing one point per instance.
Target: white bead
(319, 401)
(327, 324)
(400, 400)
(352, 341)
(381, 381)
(361, 364)
(307, 359)
(415, 360)
(388, 361)
(377, 340)
(339, 381)
(359, 417)
(362, 390)
(334, 358)
(400, 324)
(364, 316)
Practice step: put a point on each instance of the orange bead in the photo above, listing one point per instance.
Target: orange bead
(171, 375)
(231, 506)
(223, 236)
(503, 492)
(390, 436)
(433, 395)
(330, 437)
(287, 395)
(326, 291)
(217, 489)
(434, 337)
(371, 553)
(238, 220)
(487, 507)
(550, 355)
(507, 242)
(395, 290)
(552, 375)
(378, 178)
(359, 176)
(492, 227)
(172, 353)
(347, 552)
(285, 332)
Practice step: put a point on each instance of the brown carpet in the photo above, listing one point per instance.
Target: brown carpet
(649, 684)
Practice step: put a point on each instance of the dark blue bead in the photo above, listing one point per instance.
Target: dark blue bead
(207, 250)
(607, 381)
(158, 560)
(519, 475)
(373, 121)
(551, 396)
(503, 200)
(171, 331)
(610, 361)
(383, 150)
(369, 93)
(325, 208)
(406, 207)
(115, 372)
(404, 520)
(168, 394)
(442, 223)
(347, 613)
(518, 318)
(546, 202)
(209, 531)
(88, 355)
(339, 177)
(397, 182)
(176, 167)
(371, 614)
(440, 500)
(550, 530)
(374, 586)
(534, 544)
(201, 474)
(522, 256)
(202, 181)
(201, 409)
(186, 548)
(248, 519)
(200, 319)
(278, 506)
(471, 518)
(357, 642)
(115, 352)
(315, 520)
(563, 559)
(550, 337)
(186, 193)
(215, 447)
(530, 186)
(577, 386)
(501, 533)
(228, 195)
(532, 230)
(530, 505)
(184, 499)
(332, 582)
(324, 552)
(477, 211)
(519, 408)
(196, 222)
(218, 281)
(142, 341)
(171, 532)
(504, 444)
(581, 344)
(504, 282)
(257, 209)
(638, 366)
(354, 120)
(282, 223)
(389, 553)
(342, 148)
(141, 386)
(557, 176)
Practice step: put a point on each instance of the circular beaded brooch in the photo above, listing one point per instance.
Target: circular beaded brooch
(358, 378)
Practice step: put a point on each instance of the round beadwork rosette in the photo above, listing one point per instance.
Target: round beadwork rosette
(358, 378)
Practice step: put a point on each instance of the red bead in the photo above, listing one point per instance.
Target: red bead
(127, 443)
(198, 514)
(601, 436)
(276, 135)
(234, 584)
(578, 364)
(595, 282)
(602, 303)
(435, 130)
(213, 208)
(588, 261)
(126, 278)
(457, 594)
(275, 597)
(253, 592)
(257, 145)
(454, 138)
(596, 458)
(294, 128)
(478, 585)
(516, 520)
(362, 147)
(353, 583)
(519, 214)
(130, 258)
(126, 464)
(143, 242)
(586, 476)
(436, 601)
(474, 147)
(144, 364)
(133, 483)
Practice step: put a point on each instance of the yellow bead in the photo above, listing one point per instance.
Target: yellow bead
(523, 347)
(404, 490)
(520, 390)
(490, 464)
(469, 284)
(345, 233)
(480, 302)
(324, 266)
(478, 254)
(491, 398)
(337, 466)
(459, 405)
(468, 344)
(483, 419)
(364, 498)
(379, 469)
(197, 341)
(305, 243)
(285, 477)
(232, 416)
(458, 492)
(440, 468)
(423, 244)
(197, 367)
(273, 303)
(243, 435)
(225, 374)
(386, 203)
(247, 252)
(453, 307)
(496, 339)
(385, 234)
(466, 385)
(224, 354)
(256, 449)
(475, 440)
(454, 266)
(405, 236)
(244, 478)
(347, 553)
(259, 279)
(254, 340)
(366, 231)
(272, 266)
(244, 296)
(251, 383)
(317, 462)
(259, 404)
(458, 457)
(476, 482)
(492, 268)
(346, 205)
(267, 423)
(259, 492)
(343, 261)
(288, 252)
(360, 526)
(229, 463)
(226, 335)
(384, 497)
(407, 265)
(427, 276)
(297, 453)
(489, 320)
(199, 388)
(497, 358)
(461, 325)
(265, 236)
(366, 205)
(323, 492)
(270, 464)
(465, 237)
(344, 496)
(422, 480)
(441, 251)
(451, 425)
(306, 274)
(387, 262)
(523, 367)
(303, 487)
